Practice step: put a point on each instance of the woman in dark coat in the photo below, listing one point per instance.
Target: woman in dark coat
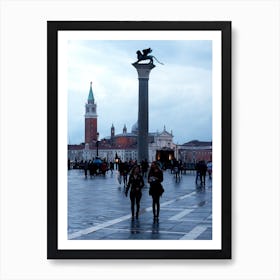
(135, 184)
(155, 177)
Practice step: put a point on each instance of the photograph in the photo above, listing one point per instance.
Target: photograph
(139, 140)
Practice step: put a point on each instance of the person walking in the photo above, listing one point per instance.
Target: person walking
(86, 168)
(135, 184)
(144, 167)
(155, 177)
(198, 170)
(125, 173)
(203, 170)
(111, 167)
(209, 169)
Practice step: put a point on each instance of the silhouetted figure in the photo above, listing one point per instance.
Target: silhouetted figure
(144, 167)
(197, 168)
(209, 169)
(86, 168)
(135, 184)
(126, 170)
(155, 177)
(176, 170)
(111, 166)
(103, 168)
(203, 170)
(121, 169)
(91, 168)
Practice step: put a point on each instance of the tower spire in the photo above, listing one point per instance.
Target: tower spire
(90, 95)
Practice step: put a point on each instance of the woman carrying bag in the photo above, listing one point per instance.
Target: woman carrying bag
(155, 177)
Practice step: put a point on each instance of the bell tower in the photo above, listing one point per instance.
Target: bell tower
(124, 130)
(90, 119)
(112, 131)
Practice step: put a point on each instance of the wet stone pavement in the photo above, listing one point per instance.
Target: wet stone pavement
(98, 209)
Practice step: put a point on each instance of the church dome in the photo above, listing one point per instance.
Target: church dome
(135, 128)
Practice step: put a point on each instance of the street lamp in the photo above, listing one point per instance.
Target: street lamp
(116, 161)
(97, 143)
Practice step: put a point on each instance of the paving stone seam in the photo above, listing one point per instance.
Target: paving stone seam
(123, 218)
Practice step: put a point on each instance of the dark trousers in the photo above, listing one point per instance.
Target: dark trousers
(202, 177)
(156, 205)
(125, 179)
(135, 199)
(198, 175)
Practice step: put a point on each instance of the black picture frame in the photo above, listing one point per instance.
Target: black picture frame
(53, 252)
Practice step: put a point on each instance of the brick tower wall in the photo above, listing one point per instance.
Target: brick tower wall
(90, 130)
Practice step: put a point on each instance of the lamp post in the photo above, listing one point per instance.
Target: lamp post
(97, 143)
(117, 161)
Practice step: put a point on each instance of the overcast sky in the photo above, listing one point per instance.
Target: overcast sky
(180, 91)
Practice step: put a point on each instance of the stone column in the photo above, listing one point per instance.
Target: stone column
(143, 71)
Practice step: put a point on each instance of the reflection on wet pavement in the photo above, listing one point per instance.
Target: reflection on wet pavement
(98, 209)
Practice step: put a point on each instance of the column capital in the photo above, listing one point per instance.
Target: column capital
(143, 69)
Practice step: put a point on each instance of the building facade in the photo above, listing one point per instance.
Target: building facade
(195, 151)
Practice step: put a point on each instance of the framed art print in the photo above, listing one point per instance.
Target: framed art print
(139, 140)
